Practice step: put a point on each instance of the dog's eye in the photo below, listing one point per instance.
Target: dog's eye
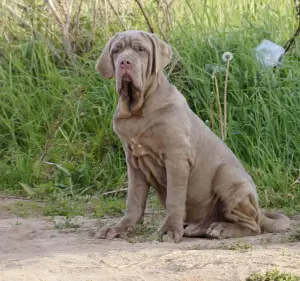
(115, 50)
(141, 49)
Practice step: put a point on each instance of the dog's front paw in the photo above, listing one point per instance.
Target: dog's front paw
(109, 232)
(170, 233)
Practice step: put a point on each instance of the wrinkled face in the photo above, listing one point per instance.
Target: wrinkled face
(133, 58)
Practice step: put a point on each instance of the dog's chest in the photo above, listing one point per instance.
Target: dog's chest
(143, 147)
(137, 133)
(128, 128)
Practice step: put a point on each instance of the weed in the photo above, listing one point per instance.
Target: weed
(146, 230)
(273, 275)
(67, 207)
(238, 245)
(65, 224)
(23, 209)
(294, 236)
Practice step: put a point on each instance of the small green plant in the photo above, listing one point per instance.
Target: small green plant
(238, 245)
(66, 223)
(142, 233)
(146, 230)
(107, 206)
(235, 245)
(23, 209)
(273, 275)
(294, 236)
(68, 207)
(78, 206)
(64, 206)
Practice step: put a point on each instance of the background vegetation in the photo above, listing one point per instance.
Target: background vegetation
(56, 138)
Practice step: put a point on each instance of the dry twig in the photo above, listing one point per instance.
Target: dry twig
(116, 14)
(113, 192)
(145, 16)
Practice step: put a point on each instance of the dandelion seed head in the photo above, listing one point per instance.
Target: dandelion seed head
(227, 56)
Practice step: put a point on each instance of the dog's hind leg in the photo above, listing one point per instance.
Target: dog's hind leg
(238, 203)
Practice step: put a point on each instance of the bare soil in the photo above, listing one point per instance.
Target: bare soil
(42, 249)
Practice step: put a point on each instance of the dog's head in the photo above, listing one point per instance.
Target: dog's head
(133, 57)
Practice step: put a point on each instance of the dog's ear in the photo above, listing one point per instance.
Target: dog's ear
(162, 53)
(104, 64)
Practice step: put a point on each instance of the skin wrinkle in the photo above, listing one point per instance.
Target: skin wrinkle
(197, 178)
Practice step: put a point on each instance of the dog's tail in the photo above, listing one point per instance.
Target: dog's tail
(271, 221)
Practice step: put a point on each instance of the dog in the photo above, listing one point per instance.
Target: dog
(202, 185)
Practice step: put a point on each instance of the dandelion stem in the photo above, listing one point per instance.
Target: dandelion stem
(219, 105)
(211, 114)
(225, 99)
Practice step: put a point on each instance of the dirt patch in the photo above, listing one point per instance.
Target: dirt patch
(43, 249)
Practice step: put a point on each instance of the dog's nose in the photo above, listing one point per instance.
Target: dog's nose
(125, 64)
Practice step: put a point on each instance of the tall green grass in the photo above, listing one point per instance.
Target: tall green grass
(64, 113)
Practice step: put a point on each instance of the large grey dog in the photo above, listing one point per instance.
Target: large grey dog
(197, 178)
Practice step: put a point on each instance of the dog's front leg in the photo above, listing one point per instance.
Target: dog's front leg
(138, 189)
(177, 181)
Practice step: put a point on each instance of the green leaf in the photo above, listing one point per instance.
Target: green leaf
(67, 173)
(27, 188)
(36, 168)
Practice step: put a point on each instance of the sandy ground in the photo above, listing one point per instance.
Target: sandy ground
(32, 249)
